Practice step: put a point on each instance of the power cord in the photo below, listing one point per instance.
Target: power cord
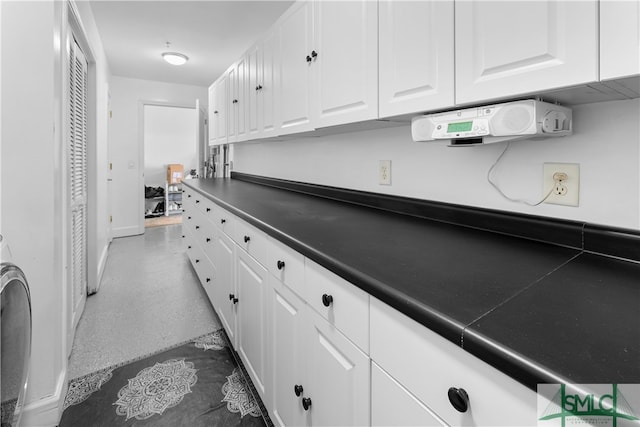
(557, 177)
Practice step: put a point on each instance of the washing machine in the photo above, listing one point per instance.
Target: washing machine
(15, 343)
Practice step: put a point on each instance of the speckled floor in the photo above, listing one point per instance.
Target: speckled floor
(149, 299)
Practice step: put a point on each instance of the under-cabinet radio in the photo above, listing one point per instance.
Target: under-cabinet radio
(494, 123)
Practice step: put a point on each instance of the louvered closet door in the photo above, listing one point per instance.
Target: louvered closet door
(77, 179)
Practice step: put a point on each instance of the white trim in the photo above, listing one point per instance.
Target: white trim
(102, 262)
(131, 230)
(48, 411)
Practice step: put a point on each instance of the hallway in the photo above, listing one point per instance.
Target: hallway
(149, 299)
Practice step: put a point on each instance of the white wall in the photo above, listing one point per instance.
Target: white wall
(606, 144)
(169, 137)
(125, 143)
(29, 180)
(34, 180)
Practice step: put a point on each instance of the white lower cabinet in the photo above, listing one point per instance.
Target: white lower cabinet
(338, 380)
(225, 285)
(318, 376)
(428, 365)
(322, 352)
(287, 375)
(251, 292)
(394, 405)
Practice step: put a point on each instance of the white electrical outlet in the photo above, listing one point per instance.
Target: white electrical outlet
(384, 172)
(563, 180)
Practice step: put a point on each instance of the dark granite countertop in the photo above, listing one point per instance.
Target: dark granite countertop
(538, 311)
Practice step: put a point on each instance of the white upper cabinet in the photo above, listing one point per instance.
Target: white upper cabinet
(237, 129)
(260, 75)
(345, 62)
(504, 49)
(267, 84)
(251, 105)
(293, 79)
(416, 56)
(212, 116)
(218, 111)
(619, 39)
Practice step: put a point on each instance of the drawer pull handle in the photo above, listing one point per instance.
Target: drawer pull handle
(183, 236)
(197, 261)
(208, 209)
(327, 300)
(235, 300)
(189, 247)
(231, 297)
(280, 265)
(459, 399)
(306, 403)
(208, 239)
(222, 221)
(189, 195)
(297, 389)
(188, 217)
(197, 201)
(246, 239)
(208, 279)
(197, 227)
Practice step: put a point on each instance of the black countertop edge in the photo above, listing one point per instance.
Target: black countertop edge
(559, 232)
(511, 363)
(616, 242)
(423, 314)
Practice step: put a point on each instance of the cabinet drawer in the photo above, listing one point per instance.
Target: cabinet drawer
(224, 220)
(252, 240)
(286, 265)
(188, 198)
(196, 256)
(345, 306)
(428, 365)
(207, 207)
(393, 405)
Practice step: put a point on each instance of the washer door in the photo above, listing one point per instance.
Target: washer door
(15, 322)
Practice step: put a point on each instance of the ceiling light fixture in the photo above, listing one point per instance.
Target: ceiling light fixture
(175, 58)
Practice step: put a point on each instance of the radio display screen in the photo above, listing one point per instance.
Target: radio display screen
(459, 127)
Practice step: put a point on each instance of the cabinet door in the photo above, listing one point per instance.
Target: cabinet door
(293, 79)
(338, 377)
(251, 286)
(416, 56)
(253, 98)
(241, 99)
(232, 104)
(224, 285)
(212, 115)
(286, 355)
(393, 405)
(512, 48)
(220, 110)
(268, 106)
(346, 66)
(619, 39)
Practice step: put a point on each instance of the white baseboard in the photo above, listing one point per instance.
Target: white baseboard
(102, 261)
(132, 230)
(48, 411)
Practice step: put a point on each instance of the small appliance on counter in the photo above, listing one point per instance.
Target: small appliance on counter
(15, 343)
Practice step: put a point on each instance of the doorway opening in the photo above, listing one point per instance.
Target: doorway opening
(170, 135)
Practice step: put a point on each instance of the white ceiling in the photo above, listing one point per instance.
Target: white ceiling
(213, 34)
